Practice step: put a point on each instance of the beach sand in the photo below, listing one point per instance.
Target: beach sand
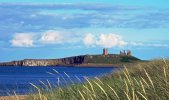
(18, 97)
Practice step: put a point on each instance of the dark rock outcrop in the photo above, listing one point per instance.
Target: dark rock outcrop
(46, 62)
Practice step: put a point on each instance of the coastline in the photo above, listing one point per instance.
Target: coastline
(91, 65)
(80, 66)
(13, 97)
(110, 60)
(99, 65)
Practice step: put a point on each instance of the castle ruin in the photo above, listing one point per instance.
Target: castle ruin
(124, 53)
(105, 51)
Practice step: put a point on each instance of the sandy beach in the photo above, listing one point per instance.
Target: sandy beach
(18, 97)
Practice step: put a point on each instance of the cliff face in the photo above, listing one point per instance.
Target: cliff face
(46, 62)
(76, 60)
(33, 62)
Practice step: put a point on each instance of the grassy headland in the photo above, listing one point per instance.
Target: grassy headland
(110, 60)
(144, 80)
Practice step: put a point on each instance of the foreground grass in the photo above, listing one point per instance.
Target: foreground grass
(145, 81)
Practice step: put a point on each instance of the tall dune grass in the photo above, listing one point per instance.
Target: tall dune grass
(141, 81)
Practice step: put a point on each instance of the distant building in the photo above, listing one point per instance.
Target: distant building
(129, 53)
(105, 51)
(123, 53)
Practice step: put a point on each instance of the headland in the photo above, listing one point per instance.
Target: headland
(101, 60)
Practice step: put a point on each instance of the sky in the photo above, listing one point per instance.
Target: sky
(49, 29)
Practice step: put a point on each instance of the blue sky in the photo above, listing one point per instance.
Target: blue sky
(55, 29)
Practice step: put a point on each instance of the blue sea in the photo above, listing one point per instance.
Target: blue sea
(18, 79)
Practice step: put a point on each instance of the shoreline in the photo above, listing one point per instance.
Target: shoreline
(78, 66)
(109, 60)
(13, 97)
(98, 66)
(85, 65)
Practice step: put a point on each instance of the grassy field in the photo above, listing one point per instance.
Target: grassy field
(141, 81)
(110, 59)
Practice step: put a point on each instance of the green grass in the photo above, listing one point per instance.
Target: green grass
(141, 81)
(110, 59)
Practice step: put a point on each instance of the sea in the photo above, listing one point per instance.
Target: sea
(20, 80)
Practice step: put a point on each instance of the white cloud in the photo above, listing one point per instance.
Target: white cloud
(89, 39)
(104, 40)
(158, 45)
(148, 44)
(136, 43)
(110, 40)
(52, 36)
(23, 40)
(60, 37)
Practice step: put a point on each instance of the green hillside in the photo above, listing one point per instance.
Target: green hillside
(110, 59)
(86, 60)
(139, 81)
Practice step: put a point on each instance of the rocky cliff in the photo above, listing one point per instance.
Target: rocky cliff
(76, 60)
(46, 62)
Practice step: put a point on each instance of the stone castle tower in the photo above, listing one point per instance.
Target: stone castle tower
(105, 51)
(123, 53)
(129, 53)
